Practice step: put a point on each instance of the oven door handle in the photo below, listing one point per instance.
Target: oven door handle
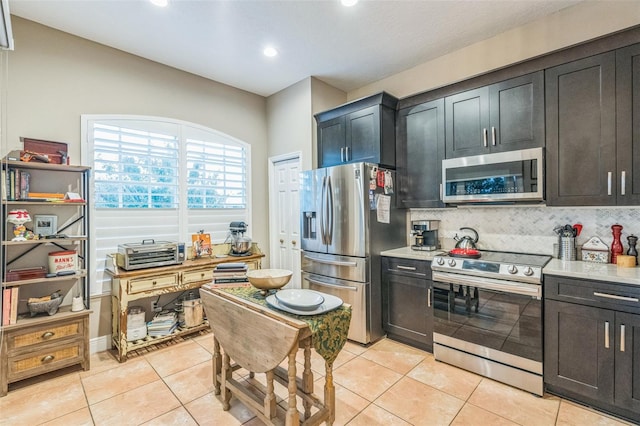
(532, 290)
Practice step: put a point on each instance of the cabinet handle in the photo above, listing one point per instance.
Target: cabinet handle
(406, 268)
(615, 296)
(609, 183)
(154, 282)
(493, 135)
(606, 334)
(623, 182)
(47, 358)
(346, 153)
(48, 335)
(342, 154)
(484, 137)
(622, 345)
(440, 192)
(429, 298)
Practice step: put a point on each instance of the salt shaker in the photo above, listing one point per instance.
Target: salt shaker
(632, 240)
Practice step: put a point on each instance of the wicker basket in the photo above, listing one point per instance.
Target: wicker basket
(50, 306)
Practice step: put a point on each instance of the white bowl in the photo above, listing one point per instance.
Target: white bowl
(300, 298)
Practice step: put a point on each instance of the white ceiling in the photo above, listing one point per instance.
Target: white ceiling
(346, 47)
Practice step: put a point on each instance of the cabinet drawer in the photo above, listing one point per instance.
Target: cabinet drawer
(153, 283)
(409, 267)
(594, 293)
(199, 275)
(44, 360)
(44, 334)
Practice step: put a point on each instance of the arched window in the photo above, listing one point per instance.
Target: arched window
(162, 179)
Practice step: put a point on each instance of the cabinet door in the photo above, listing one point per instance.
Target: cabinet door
(517, 113)
(331, 142)
(467, 116)
(628, 124)
(420, 151)
(581, 132)
(628, 361)
(407, 305)
(579, 349)
(363, 135)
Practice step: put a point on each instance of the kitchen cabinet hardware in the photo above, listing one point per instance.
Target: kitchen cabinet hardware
(406, 268)
(362, 130)
(406, 284)
(47, 358)
(512, 110)
(623, 183)
(320, 283)
(581, 327)
(281, 241)
(609, 174)
(615, 296)
(48, 335)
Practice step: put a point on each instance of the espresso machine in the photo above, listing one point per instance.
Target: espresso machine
(425, 234)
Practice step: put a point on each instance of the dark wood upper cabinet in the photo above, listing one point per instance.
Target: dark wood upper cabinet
(504, 116)
(362, 130)
(628, 124)
(419, 155)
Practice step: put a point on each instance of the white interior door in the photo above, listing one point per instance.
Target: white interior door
(285, 217)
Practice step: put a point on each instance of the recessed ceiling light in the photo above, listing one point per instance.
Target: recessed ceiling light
(270, 51)
(349, 3)
(160, 3)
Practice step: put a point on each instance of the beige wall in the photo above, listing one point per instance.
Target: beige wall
(54, 77)
(585, 21)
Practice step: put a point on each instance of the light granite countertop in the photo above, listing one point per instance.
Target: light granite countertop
(593, 271)
(409, 253)
(572, 269)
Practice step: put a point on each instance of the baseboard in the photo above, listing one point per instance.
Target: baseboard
(100, 344)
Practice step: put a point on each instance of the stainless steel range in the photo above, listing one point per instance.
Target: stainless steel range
(488, 315)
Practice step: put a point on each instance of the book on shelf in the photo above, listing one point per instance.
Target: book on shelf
(6, 305)
(10, 305)
(230, 280)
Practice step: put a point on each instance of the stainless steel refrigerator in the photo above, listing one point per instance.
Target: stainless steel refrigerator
(342, 237)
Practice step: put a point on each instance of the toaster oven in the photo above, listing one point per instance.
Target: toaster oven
(149, 254)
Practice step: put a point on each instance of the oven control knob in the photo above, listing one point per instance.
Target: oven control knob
(528, 271)
(440, 261)
(512, 269)
(452, 262)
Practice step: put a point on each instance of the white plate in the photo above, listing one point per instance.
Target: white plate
(301, 299)
(330, 303)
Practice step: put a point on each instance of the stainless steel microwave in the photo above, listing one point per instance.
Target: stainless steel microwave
(494, 178)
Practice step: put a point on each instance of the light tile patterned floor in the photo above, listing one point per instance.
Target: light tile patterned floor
(387, 383)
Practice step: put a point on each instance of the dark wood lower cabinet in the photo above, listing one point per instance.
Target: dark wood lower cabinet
(407, 311)
(592, 348)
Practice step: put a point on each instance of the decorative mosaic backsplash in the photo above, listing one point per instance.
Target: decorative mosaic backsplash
(529, 229)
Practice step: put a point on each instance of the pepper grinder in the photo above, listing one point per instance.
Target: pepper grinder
(616, 245)
(632, 240)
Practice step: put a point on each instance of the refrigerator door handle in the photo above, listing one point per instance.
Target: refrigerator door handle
(331, 262)
(344, 287)
(329, 211)
(323, 235)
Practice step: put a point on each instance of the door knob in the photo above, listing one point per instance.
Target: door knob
(293, 242)
(281, 241)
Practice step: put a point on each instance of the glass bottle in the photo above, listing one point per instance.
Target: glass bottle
(632, 240)
(616, 245)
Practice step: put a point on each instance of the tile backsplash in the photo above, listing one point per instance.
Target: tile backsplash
(529, 229)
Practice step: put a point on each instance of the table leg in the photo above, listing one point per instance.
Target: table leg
(307, 377)
(217, 365)
(329, 393)
(292, 417)
(226, 374)
(270, 397)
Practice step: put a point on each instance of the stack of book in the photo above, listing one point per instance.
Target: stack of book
(230, 274)
(9, 305)
(162, 324)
